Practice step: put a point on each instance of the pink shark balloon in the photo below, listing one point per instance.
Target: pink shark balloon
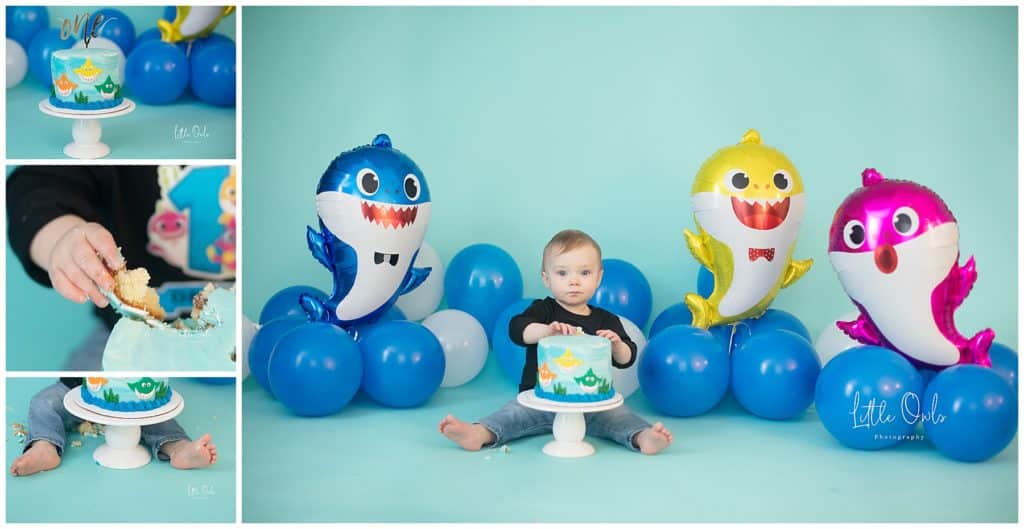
(895, 247)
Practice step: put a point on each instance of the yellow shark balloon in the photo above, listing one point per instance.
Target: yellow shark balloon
(748, 202)
(192, 22)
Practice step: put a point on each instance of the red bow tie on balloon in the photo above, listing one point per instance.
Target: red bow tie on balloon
(754, 253)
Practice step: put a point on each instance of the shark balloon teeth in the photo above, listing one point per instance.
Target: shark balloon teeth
(894, 244)
(388, 216)
(374, 206)
(748, 203)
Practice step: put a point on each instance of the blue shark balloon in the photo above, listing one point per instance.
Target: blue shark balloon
(374, 207)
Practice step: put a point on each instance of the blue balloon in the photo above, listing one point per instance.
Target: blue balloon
(1004, 362)
(285, 303)
(44, 43)
(148, 35)
(192, 48)
(773, 374)
(213, 74)
(868, 397)
(705, 282)
(677, 314)
(511, 357)
(927, 375)
(170, 13)
(771, 319)
(117, 27)
(315, 369)
(482, 280)
(156, 72)
(403, 363)
(624, 291)
(262, 346)
(684, 371)
(971, 412)
(393, 313)
(24, 22)
(723, 333)
(359, 329)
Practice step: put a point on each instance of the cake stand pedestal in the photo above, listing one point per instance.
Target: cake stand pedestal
(569, 427)
(86, 130)
(122, 430)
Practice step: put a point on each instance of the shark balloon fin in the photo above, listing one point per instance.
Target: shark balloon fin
(966, 276)
(978, 346)
(315, 308)
(862, 330)
(794, 270)
(702, 311)
(413, 279)
(315, 241)
(699, 248)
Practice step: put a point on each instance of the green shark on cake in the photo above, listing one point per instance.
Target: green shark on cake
(574, 369)
(86, 79)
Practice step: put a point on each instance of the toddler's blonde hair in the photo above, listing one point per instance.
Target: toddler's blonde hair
(565, 241)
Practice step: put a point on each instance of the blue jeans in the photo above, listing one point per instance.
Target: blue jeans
(514, 420)
(49, 420)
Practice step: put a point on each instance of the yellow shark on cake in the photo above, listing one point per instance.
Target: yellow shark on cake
(748, 202)
(191, 22)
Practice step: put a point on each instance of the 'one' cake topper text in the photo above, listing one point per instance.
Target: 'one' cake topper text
(67, 28)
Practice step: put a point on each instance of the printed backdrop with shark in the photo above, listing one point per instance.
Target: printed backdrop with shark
(374, 207)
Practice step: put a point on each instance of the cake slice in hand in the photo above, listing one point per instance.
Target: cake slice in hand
(132, 287)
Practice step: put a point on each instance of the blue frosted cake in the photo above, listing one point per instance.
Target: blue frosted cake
(86, 79)
(126, 394)
(203, 342)
(574, 369)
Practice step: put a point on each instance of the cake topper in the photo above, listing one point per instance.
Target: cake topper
(91, 29)
(895, 246)
(374, 206)
(748, 202)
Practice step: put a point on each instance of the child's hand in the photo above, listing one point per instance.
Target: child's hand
(612, 336)
(75, 266)
(556, 327)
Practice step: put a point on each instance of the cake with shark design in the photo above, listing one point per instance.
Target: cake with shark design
(204, 341)
(574, 369)
(86, 79)
(126, 394)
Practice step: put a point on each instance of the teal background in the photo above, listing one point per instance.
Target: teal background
(148, 132)
(156, 492)
(526, 121)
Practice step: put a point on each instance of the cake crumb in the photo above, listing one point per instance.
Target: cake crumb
(18, 430)
(89, 429)
(76, 444)
(506, 449)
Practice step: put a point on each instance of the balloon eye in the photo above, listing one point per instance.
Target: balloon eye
(782, 180)
(412, 186)
(738, 181)
(905, 221)
(853, 234)
(368, 182)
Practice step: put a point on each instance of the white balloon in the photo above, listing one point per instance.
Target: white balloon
(102, 43)
(832, 341)
(17, 63)
(425, 299)
(248, 331)
(626, 380)
(464, 342)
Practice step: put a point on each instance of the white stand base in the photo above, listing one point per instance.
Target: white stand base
(570, 427)
(122, 430)
(86, 130)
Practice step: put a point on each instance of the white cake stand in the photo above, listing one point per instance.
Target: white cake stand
(122, 430)
(86, 130)
(570, 427)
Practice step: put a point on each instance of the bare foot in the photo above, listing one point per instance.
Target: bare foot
(467, 435)
(42, 455)
(192, 454)
(654, 439)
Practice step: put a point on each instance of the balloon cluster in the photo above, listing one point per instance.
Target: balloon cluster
(159, 64)
(900, 363)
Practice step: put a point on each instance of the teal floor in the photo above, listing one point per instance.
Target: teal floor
(369, 463)
(154, 493)
(147, 132)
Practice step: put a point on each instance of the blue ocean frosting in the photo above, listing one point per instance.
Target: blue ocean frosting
(125, 394)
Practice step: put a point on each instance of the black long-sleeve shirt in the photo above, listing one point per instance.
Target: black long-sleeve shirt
(163, 220)
(548, 310)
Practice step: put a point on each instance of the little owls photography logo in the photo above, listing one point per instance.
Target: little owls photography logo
(876, 412)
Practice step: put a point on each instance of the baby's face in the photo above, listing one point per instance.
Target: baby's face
(573, 276)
